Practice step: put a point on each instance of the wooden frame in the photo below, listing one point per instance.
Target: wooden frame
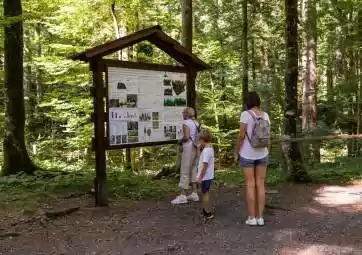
(99, 66)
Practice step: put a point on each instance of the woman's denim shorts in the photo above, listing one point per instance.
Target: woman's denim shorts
(251, 163)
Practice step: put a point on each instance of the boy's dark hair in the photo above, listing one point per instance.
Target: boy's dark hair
(205, 135)
(252, 100)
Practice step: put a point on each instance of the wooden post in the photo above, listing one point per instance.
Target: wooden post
(191, 88)
(100, 183)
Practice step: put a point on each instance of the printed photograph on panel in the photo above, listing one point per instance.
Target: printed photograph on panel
(178, 87)
(170, 131)
(131, 100)
(174, 102)
(132, 127)
(155, 116)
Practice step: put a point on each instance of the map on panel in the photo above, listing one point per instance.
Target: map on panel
(144, 105)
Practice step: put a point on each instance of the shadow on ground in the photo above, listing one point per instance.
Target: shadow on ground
(302, 220)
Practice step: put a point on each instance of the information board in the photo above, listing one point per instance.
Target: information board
(144, 106)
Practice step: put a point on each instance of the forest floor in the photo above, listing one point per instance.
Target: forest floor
(302, 220)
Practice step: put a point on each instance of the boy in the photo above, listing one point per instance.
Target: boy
(205, 171)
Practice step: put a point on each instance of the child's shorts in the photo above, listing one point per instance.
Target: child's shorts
(205, 186)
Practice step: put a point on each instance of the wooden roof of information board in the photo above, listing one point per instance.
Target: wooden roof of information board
(156, 36)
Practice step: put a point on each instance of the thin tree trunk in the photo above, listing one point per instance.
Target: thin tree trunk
(16, 157)
(330, 87)
(223, 125)
(116, 26)
(132, 53)
(297, 170)
(359, 101)
(223, 100)
(253, 68)
(265, 77)
(352, 78)
(245, 52)
(215, 110)
(38, 50)
(28, 82)
(359, 92)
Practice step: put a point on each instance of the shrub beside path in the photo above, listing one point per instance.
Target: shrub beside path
(300, 220)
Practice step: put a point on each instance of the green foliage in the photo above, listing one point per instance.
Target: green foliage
(30, 191)
(59, 129)
(344, 170)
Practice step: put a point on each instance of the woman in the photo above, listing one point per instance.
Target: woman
(188, 169)
(253, 160)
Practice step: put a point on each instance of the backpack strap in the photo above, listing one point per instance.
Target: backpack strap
(254, 119)
(197, 126)
(197, 130)
(252, 115)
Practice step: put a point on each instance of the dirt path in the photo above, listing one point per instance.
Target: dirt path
(315, 220)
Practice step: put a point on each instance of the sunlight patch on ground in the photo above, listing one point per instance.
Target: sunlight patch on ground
(327, 249)
(313, 210)
(284, 235)
(339, 195)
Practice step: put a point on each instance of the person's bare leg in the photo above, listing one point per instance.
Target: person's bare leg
(206, 201)
(250, 191)
(260, 172)
(194, 187)
(183, 192)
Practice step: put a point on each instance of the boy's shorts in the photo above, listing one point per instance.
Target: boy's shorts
(205, 186)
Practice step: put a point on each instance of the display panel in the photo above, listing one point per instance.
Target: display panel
(144, 106)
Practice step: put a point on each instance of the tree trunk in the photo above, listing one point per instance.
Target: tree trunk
(309, 102)
(309, 120)
(351, 77)
(245, 52)
(292, 150)
(186, 9)
(16, 157)
(186, 6)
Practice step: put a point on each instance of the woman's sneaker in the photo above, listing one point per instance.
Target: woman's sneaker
(260, 221)
(181, 199)
(251, 222)
(193, 197)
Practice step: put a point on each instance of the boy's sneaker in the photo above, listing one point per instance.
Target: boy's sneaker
(193, 197)
(260, 221)
(207, 215)
(181, 199)
(251, 222)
